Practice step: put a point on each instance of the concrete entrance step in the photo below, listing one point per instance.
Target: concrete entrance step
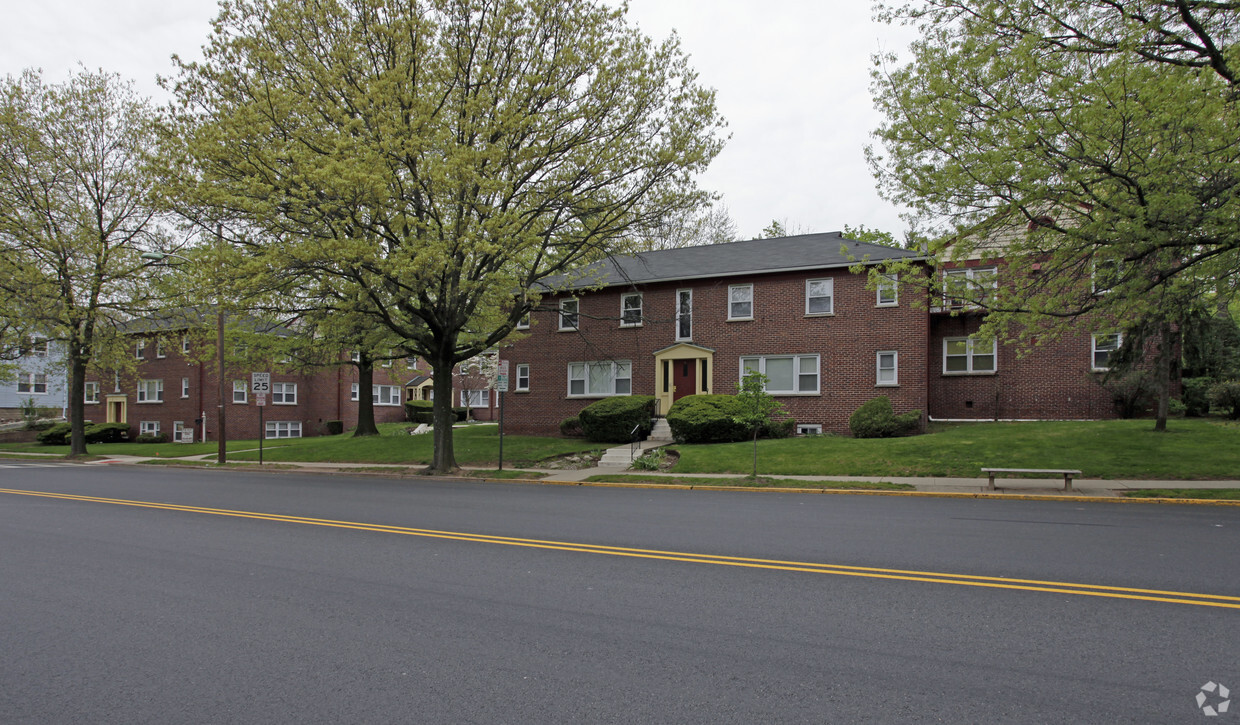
(662, 431)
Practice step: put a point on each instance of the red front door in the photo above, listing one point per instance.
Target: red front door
(684, 378)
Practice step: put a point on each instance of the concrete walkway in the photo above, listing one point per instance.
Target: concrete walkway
(1024, 486)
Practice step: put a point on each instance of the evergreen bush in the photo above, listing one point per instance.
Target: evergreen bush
(706, 419)
(612, 420)
(877, 419)
(107, 432)
(420, 411)
(1197, 396)
(571, 427)
(1226, 394)
(57, 435)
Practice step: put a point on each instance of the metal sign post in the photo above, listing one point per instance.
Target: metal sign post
(260, 383)
(501, 387)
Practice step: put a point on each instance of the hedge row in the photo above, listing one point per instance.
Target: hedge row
(710, 419)
(58, 435)
(612, 420)
(422, 411)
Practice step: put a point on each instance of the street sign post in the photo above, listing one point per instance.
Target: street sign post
(501, 387)
(260, 385)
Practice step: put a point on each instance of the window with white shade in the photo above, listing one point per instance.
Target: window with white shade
(785, 374)
(819, 296)
(887, 367)
(598, 379)
(965, 355)
(150, 391)
(1104, 347)
(740, 302)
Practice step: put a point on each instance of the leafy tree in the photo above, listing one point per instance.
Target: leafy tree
(76, 211)
(711, 225)
(756, 407)
(1094, 146)
(438, 155)
(874, 236)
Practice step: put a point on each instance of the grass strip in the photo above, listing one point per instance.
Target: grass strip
(760, 482)
(1216, 494)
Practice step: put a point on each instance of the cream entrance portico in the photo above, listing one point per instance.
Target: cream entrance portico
(680, 370)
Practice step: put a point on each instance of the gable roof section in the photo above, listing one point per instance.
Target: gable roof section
(828, 250)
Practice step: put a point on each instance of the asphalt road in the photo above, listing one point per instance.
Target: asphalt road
(347, 599)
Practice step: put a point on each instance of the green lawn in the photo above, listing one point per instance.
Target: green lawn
(1215, 494)
(474, 445)
(761, 482)
(1192, 449)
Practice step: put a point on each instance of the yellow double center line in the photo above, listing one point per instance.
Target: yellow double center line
(968, 580)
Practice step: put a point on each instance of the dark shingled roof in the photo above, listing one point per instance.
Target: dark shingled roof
(803, 252)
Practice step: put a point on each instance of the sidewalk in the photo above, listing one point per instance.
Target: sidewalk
(1020, 486)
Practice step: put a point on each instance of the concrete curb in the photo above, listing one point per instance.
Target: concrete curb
(293, 467)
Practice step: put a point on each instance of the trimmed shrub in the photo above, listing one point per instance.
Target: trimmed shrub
(611, 420)
(1197, 396)
(334, 427)
(107, 433)
(57, 435)
(461, 413)
(706, 419)
(152, 438)
(1226, 394)
(877, 419)
(420, 411)
(571, 427)
(783, 428)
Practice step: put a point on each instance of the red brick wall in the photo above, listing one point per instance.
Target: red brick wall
(322, 395)
(847, 343)
(1047, 381)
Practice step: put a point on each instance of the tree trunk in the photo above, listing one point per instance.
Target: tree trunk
(1162, 376)
(444, 460)
(77, 400)
(755, 452)
(365, 398)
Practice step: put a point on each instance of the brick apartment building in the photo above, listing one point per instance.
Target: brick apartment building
(676, 322)
(171, 392)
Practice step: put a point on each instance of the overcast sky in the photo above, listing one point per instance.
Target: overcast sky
(792, 78)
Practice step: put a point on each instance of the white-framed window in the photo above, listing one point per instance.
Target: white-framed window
(785, 374)
(139, 351)
(159, 349)
(385, 394)
(355, 356)
(178, 430)
(39, 348)
(523, 376)
(184, 387)
(353, 391)
(150, 391)
(809, 429)
(524, 322)
(968, 286)
(476, 398)
(1104, 345)
(820, 296)
(684, 314)
(284, 429)
(598, 379)
(740, 302)
(631, 309)
(148, 428)
(1105, 275)
(184, 344)
(887, 367)
(888, 291)
(33, 383)
(241, 391)
(90, 393)
(284, 394)
(965, 355)
(569, 309)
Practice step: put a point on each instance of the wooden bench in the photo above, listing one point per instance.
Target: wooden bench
(1067, 474)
